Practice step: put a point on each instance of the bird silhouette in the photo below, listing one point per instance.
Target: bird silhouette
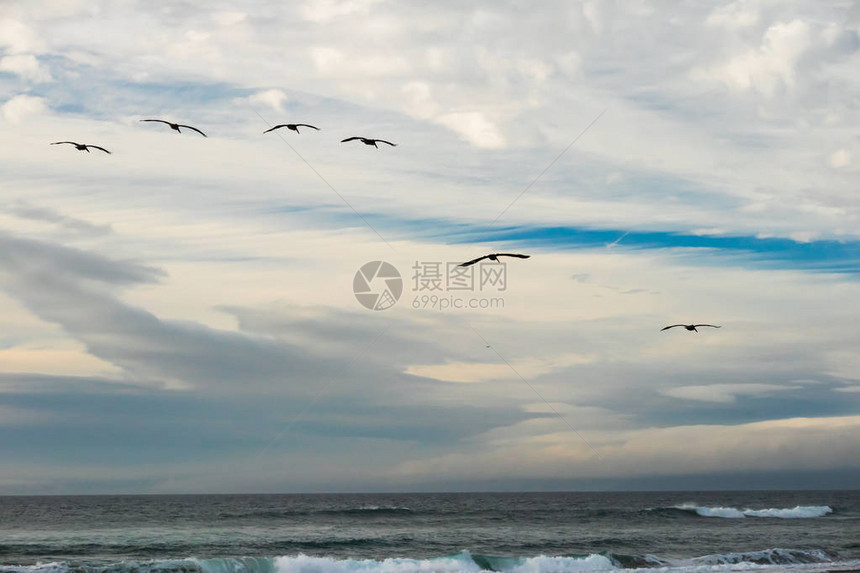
(81, 146)
(293, 126)
(176, 126)
(494, 257)
(369, 141)
(690, 327)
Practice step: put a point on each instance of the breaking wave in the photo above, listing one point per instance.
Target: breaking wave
(368, 510)
(799, 512)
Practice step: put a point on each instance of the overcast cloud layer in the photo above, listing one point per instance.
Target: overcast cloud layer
(178, 316)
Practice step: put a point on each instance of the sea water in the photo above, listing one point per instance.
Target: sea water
(399, 533)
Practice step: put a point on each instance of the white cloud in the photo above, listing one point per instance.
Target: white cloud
(739, 14)
(770, 68)
(228, 18)
(321, 11)
(723, 393)
(273, 98)
(17, 37)
(840, 158)
(474, 127)
(26, 66)
(420, 102)
(331, 61)
(20, 107)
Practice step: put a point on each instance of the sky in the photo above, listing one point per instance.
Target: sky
(180, 316)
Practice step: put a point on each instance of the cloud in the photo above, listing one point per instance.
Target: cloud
(16, 417)
(734, 15)
(17, 37)
(474, 127)
(814, 443)
(273, 98)
(229, 18)
(17, 109)
(59, 361)
(48, 215)
(24, 259)
(321, 11)
(221, 291)
(464, 372)
(770, 68)
(723, 393)
(840, 158)
(331, 61)
(26, 66)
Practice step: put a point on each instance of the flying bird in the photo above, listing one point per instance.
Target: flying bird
(294, 126)
(690, 327)
(81, 146)
(176, 126)
(369, 141)
(494, 257)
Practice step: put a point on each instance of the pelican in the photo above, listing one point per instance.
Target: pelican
(690, 327)
(294, 126)
(494, 257)
(82, 146)
(369, 141)
(176, 126)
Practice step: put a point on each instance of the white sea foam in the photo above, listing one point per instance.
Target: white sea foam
(306, 564)
(799, 512)
(462, 563)
(729, 512)
(765, 561)
(51, 567)
(544, 564)
(775, 556)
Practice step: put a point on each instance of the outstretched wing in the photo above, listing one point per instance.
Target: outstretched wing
(158, 120)
(97, 147)
(388, 142)
(276, 127)
(194, 128)
(513, 255)
(673, 326)
(350, 139)
(307, 125)
(473, 261)
(59, 142)
(711, 325)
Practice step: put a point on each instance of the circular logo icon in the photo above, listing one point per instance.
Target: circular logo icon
(377, 285)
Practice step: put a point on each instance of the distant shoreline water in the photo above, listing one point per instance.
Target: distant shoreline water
(672, 532)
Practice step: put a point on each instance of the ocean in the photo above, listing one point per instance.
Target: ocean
(446, 532)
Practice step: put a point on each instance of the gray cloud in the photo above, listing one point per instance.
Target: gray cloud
(65, 222)
(26, 261)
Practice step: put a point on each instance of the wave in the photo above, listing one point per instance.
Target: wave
(465, 562)
(365, 510)
(768, 557)
(799, 512)
(461, 563)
